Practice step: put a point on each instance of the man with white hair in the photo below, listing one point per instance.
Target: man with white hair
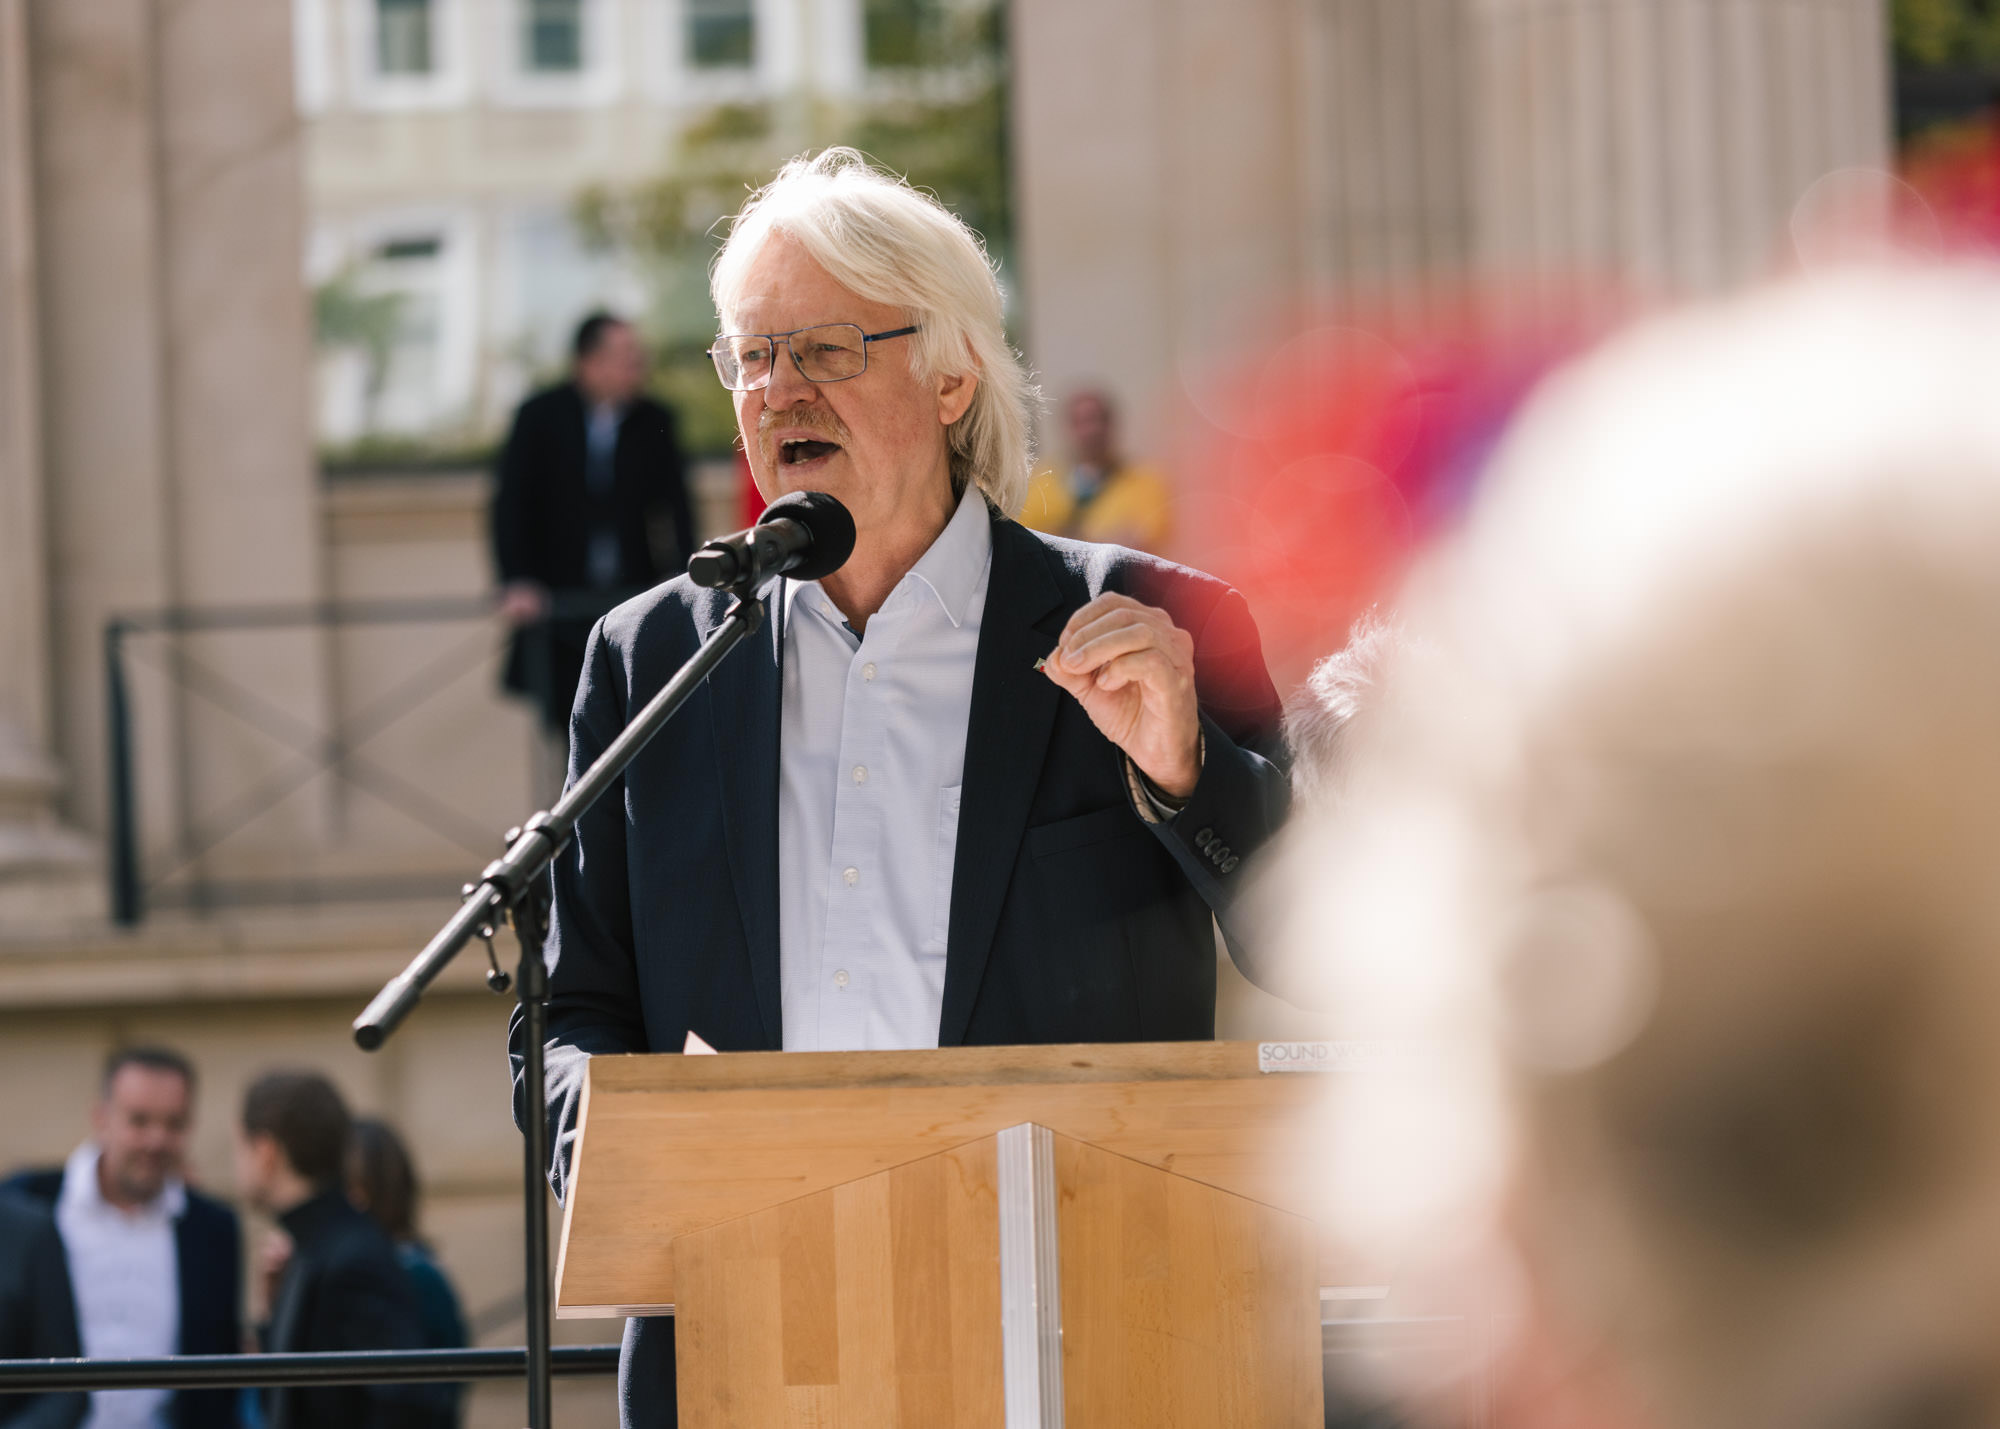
(977, 786)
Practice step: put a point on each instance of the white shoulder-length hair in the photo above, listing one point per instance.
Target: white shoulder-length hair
(885, 241)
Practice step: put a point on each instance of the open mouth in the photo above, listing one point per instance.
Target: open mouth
(799, 451)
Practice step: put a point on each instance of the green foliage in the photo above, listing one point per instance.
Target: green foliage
(347, 316)
(1931, 34)
(404, 455)
(927, 34)
(684, 379)
(935, 113)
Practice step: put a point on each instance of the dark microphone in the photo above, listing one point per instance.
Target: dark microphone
(803, 534)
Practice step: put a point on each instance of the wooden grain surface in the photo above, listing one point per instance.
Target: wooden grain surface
(871, 1305)
(1183, 1307)
(674, 1144)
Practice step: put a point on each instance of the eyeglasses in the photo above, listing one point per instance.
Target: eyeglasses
(830, 352)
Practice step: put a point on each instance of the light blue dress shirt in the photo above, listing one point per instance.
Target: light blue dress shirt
(872, 757)
(600, 474)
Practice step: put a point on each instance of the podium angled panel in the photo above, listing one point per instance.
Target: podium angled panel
(674, 1144)
(874, 1303)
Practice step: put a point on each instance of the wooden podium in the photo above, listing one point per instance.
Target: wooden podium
(1081, 1235)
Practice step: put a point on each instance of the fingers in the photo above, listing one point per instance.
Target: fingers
(1096, 646)
(1077, 683)
(1122, 631)
(1096, 609)
(1149, 666)
(1115, 641)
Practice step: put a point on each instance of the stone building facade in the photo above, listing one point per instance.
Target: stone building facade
(1183, 169)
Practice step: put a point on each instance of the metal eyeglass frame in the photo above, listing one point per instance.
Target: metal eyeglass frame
(774, 338)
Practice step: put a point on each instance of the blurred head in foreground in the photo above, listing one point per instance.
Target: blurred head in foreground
(1320, 714)
(1676, 863)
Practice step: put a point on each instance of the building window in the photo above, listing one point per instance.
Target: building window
(721, 34)
(405, 250)
(554, 36)
(403, 36)
(901, 34)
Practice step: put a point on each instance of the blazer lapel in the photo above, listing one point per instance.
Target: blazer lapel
(744, 691)
(1013, 709)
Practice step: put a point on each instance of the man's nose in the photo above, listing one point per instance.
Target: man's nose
(788, 386)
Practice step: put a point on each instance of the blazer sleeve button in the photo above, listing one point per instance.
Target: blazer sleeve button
(1203, 839)
(1229, 864)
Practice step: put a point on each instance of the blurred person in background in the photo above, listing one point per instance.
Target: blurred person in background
(382, 1182)
(155, 1265)
(1099, 495)
(37, 1312)
(341, 1287)
(590, 505)
(1675, 866)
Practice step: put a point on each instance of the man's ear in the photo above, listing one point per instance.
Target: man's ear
(955, 392)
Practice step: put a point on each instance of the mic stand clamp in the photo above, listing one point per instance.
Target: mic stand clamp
(516, 888)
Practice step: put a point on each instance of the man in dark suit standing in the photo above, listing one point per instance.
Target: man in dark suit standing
(590, 506)
(979, 785)
(37, 1313)
(155, 1265)
(341, 1287)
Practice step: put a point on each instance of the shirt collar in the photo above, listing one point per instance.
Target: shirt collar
(951, 569)
(957, 558)
(312, 1215)
(80, 1188)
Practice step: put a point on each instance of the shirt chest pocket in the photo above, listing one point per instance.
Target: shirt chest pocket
(941, 861)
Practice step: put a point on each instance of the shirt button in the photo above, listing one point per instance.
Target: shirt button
(850, 876)
(861, 774)
(840, 978)
(868, 671)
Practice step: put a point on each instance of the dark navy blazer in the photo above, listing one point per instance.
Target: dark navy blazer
(209, 1252)
(1072, 920)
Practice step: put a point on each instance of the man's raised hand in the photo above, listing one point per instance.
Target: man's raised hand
(1132, 670)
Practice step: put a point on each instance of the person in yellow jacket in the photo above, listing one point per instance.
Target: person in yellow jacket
(1100, 496)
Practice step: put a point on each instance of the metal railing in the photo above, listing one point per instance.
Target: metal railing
(339, 751)
(327, 1367)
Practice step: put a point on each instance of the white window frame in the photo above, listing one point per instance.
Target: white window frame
(447, 85)
(598, 82)
(456, 284)
(774, 66)
(312, 56)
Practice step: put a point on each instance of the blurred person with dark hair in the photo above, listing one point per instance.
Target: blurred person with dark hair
(1100, 495)
(590, 502)
(155, 1266)
(1675, 868)
(341, 1287)
(382, 1182)
(37, 1312)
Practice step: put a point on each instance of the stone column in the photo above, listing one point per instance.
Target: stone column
(1665, 143)
(176, 353)
(1190, 173)
(46, 871)
(1159, 203)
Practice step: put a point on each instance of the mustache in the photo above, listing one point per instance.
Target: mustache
(808, 418)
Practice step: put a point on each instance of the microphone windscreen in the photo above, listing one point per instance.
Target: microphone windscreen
(831, 526)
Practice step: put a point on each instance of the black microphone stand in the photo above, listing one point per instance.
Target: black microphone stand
(515, 889)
